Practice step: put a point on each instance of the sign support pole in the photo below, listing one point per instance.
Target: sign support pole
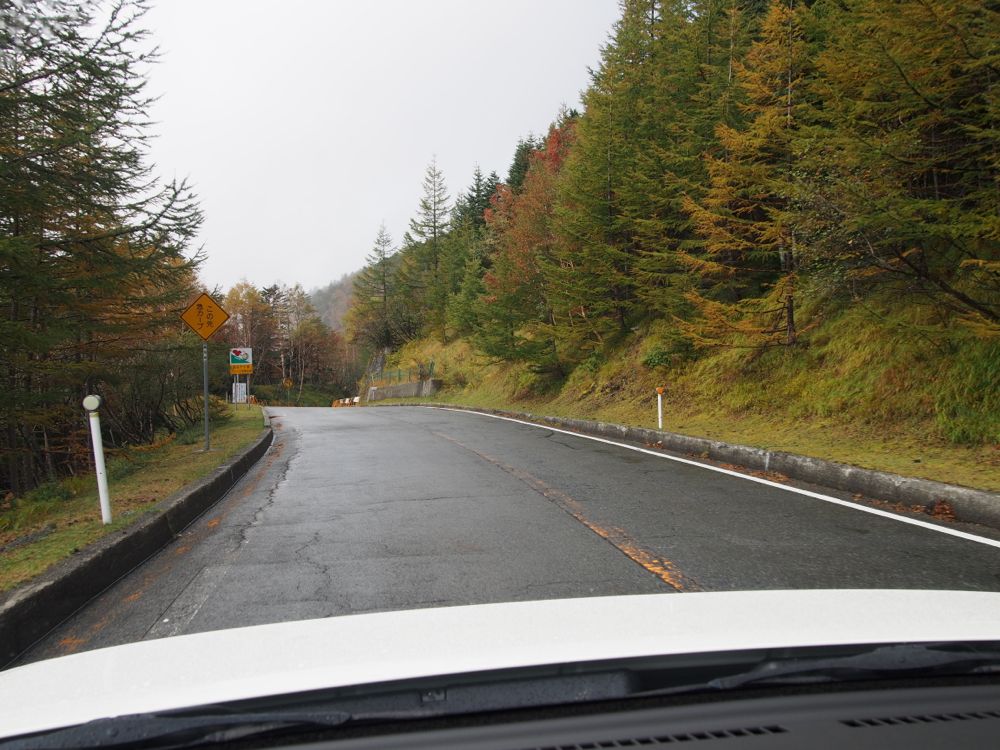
(205, 317)
(204, 363)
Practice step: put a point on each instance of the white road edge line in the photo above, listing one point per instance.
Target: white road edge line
(749, 478)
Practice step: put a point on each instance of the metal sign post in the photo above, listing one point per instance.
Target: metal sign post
(204, 391)
(205, 317)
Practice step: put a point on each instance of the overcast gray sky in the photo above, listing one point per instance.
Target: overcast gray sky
(304, 124)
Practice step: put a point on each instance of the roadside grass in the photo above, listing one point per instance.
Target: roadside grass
(862, 389)
(59, 519)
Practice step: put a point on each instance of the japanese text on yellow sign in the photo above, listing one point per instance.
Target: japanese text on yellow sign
(204, 316)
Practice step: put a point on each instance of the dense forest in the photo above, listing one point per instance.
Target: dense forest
(742, 173)
(97, 257)
(288, 337)
(94, 251)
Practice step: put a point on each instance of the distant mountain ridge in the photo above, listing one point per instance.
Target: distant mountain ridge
(333, 300)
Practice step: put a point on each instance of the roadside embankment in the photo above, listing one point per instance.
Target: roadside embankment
(32, 609)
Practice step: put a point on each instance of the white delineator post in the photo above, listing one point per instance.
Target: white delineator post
(659, 407)
(92, 404)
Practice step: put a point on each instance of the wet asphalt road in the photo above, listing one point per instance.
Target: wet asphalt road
(362, 510)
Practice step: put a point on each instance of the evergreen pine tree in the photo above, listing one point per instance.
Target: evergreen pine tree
(902, 164)
(747, 261)
(519, 164)
(427, 231)
(374, 295)
(91, 250)
(692, 89)
(592, 279)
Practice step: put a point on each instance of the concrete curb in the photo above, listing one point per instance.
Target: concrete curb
(31, 610)
(970, 505)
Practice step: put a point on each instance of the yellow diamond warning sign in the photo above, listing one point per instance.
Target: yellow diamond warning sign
(205, 317)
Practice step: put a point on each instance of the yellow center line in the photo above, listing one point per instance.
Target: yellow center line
(617, 537)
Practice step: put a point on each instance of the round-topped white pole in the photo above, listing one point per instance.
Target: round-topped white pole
(92, 404)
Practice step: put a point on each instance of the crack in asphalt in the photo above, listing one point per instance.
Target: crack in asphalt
(621, 540)
(183, 608)
(399, 500)
(268, 503)
(555, 437)
(302, 553)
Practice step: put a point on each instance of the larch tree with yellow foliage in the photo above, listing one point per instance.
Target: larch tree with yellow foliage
(904, 162)
(746, 262)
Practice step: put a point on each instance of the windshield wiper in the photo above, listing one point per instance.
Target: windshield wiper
(878, 662)
(176, 730)
(271, 716)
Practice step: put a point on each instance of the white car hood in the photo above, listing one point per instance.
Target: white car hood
(193, 670)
